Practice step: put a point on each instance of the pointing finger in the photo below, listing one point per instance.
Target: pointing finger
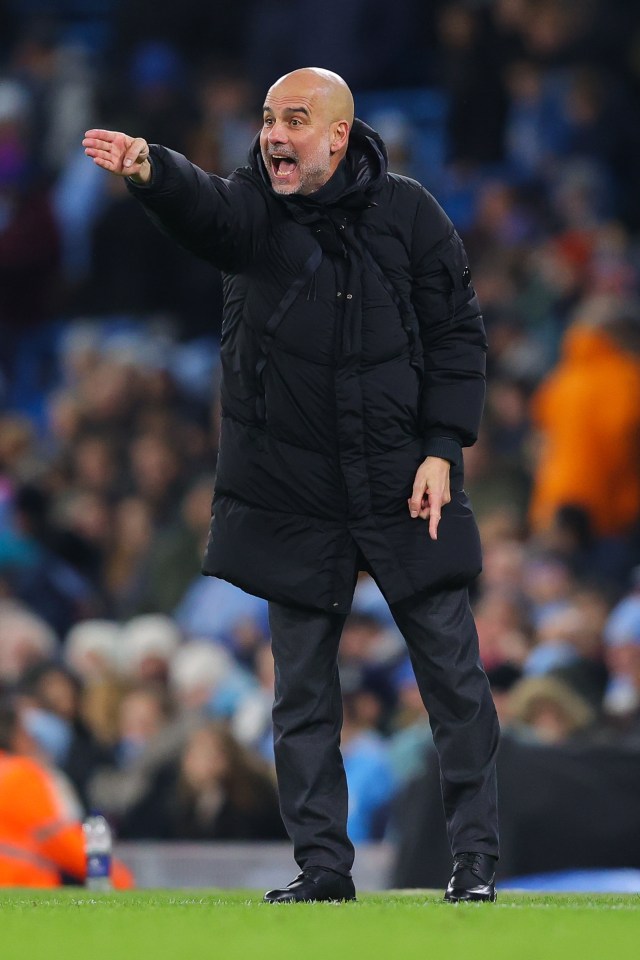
(435, 506)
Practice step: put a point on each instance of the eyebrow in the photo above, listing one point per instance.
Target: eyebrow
(267, 109)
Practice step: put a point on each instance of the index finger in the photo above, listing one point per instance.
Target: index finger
(435, 507)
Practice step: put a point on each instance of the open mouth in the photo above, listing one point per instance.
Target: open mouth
(283, 166)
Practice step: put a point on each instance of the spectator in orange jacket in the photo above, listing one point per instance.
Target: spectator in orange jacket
(588, 413)
(39, 843)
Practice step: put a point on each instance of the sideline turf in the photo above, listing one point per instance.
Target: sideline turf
(187, 925)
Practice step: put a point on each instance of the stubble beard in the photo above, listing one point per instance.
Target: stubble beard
(313, 173)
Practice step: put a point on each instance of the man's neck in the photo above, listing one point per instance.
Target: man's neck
(334, 186)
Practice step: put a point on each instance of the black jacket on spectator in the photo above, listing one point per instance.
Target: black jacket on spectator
(352, 347)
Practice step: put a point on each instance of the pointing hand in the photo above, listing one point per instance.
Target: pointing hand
(430, 492)
(116, 152)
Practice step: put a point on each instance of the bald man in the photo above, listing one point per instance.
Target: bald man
(353, 356)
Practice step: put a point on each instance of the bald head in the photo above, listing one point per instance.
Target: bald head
(326, 89)
(308, 115)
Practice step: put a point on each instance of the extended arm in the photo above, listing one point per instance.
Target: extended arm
(223, 221)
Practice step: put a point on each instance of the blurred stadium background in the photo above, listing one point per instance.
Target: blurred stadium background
(145, 688)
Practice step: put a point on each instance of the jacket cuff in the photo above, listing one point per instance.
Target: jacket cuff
(443, 447)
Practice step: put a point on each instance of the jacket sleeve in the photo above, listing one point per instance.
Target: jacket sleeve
(222, 221)
(452, 334)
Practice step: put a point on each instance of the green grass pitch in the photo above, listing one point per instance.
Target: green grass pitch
(188, 925)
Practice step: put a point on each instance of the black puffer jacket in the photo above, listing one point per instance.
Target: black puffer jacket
(352, 347)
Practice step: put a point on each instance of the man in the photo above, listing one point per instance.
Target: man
(39, 841)
(353, 372)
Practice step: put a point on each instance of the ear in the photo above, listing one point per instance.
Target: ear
(339, 136)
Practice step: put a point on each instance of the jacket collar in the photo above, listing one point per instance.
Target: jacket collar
(358, 175)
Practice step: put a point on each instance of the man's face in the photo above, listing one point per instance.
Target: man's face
(296, 140)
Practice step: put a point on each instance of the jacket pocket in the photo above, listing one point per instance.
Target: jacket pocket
(456, 264)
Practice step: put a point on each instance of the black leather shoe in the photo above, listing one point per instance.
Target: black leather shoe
(314, 884)
(473, 879)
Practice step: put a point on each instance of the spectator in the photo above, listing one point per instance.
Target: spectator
(546, 710)
(40, 843)
(622, 639)
(51, 698)
(147, 646)
(217, 609)
(411, 736)
(91, 649)
(206, 680)
(172, 562)
(26, 641)
(222, 793)
(588, 412)
(131, 552)
(368, 655)
(217, 791)
(148, 739)
(251, 723)
(367, 765)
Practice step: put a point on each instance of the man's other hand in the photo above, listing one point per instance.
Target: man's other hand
(430, 492)
(116, 152)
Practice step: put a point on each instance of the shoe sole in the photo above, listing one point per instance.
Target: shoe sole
(343, 900)
(313, 900)
(488, 899)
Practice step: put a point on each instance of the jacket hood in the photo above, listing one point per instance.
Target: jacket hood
(366, 163)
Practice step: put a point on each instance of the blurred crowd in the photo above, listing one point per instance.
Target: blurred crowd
(147, 688)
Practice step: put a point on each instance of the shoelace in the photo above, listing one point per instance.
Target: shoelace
(466, 861)
(303, 875)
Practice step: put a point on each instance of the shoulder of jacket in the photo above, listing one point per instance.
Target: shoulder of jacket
(429, 223)
(403, 182)
(409, 187)
(415, 193)
(401, 187)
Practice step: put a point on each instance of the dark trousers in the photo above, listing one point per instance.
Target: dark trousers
(443, 644)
